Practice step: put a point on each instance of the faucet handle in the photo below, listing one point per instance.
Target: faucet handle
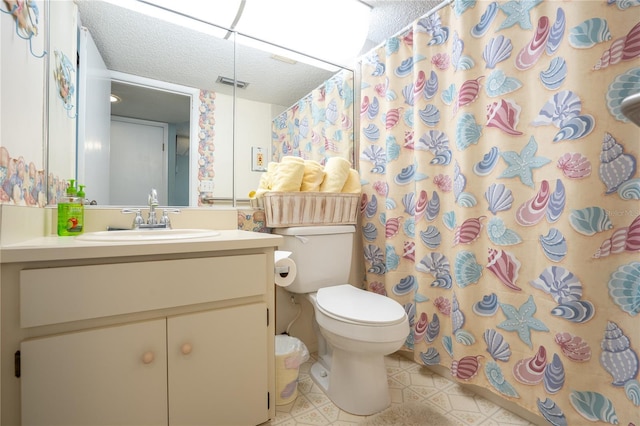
(165, 216)
(137, 220)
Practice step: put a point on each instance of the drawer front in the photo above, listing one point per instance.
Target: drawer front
(56, 295)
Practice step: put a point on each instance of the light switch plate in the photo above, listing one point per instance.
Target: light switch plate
(258, 159)
(206, 186)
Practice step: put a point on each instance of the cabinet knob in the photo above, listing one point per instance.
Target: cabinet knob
(186, 348)
(148, 357)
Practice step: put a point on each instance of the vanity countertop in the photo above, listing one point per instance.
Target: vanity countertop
(66, 248)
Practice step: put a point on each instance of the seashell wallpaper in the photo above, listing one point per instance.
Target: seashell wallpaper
(500, 199)
(23, 184)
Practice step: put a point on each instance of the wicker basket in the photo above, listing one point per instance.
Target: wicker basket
(283, 209)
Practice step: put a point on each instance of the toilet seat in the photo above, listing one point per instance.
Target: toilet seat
(352, 305)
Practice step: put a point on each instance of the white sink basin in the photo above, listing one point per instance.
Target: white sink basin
(148, 235)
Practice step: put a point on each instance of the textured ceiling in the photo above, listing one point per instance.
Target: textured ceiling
(137, 44)
(388, 17)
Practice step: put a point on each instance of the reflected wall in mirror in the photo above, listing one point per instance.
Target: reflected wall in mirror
(309, 116)
(318, 126)
(315, 124)
(148, 127)
(149, 145)
(226, 122)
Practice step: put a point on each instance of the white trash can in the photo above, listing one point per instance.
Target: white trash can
(290, 353)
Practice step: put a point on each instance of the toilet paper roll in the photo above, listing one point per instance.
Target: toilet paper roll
(285, 268)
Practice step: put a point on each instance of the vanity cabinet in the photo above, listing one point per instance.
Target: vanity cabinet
(199, 368)
(159, 334)
(218, 378)
(115, 375)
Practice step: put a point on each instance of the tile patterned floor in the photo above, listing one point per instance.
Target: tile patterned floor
(408, 381)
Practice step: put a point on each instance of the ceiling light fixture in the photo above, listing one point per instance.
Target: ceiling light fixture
(212, 18)
(114, 99)
(330, 30)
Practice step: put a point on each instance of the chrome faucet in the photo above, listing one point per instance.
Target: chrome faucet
(152, 220)
(153, 203)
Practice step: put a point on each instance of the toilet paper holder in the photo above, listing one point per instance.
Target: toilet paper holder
(283, 271)
(284, 268)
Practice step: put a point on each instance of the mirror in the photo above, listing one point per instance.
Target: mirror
(133, 134)
(228, 124)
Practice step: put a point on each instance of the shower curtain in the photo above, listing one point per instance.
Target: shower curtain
(318, 126)
(500, 199)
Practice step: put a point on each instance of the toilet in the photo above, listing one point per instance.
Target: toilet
(355, 328)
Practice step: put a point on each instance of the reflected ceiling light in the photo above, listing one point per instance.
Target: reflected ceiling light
(284, 59)
(285, 54)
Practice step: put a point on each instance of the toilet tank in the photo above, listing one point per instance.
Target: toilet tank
(322, 255)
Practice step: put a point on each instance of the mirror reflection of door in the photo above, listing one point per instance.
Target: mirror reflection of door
(138, 161)
(138, 100)
(160, 106)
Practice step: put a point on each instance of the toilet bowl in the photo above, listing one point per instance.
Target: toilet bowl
(355, 328)
(353, 374)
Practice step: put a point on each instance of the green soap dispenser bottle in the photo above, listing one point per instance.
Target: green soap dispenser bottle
(70, 212)
(81, 194)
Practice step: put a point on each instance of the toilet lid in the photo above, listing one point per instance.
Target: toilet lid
(357, 305)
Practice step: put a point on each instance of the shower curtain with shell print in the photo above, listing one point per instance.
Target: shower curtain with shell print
(319, 125)
(500, 199)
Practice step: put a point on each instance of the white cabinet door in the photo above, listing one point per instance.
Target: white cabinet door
(108, 376)
(217, 363)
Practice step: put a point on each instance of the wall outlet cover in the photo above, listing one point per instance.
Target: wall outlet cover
(258, 159)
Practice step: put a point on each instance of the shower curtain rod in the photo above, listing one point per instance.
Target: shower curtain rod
(426, 15)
